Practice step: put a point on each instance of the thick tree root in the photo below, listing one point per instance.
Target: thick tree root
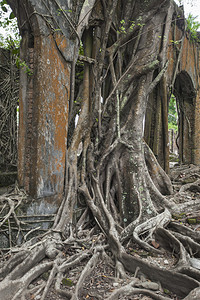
(135, 287)
(115, 176)
(158, 175)
(194, 187)
(179, 284)
(148, 227)
(193, 295)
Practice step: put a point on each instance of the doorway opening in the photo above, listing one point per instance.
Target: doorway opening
(173, 130)
(182, 108)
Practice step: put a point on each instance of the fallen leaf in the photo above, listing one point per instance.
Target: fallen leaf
(155, 244)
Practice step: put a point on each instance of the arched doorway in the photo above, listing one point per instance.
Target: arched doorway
(156, 129)
(185, 95)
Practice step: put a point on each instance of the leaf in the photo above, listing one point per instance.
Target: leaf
(166, 291)
(12, 16)
(155, 244)
(67, 282)
(4, 9)
(15, 51)
(3, 2)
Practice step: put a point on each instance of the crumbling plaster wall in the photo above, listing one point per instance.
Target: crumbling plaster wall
(182, 79)
(188, 69)
(43, 121)
(47, 48)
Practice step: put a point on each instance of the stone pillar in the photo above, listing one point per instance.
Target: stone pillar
(44, 95)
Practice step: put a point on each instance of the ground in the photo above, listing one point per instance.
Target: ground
(103, 280)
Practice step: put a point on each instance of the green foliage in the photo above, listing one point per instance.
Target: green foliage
(8, 26)
(13, 46)
(172, 126)
(3, 5)
(175, 42)
(124, 28)
(11, 42)
(172, 114)
(81, 49)
(80, 65)
(59, 11)
(67, 282)
(192, 27)
(6, 14)
(21, 64)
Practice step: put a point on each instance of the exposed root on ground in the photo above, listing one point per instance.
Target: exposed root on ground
(84, 250)
(126, 199)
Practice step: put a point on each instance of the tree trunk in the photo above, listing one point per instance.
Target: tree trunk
(110, 174)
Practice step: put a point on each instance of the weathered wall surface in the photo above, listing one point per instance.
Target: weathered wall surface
(47, 48)
(43, 119)
(182, 79)
(186, 90)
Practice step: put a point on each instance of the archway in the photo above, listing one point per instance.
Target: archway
(156, 131)
(184, 92)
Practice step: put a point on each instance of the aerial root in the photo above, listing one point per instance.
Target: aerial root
(29, 277)
(190, 245)
(178, 244)
(58, 289)
(149, 227)
(193, 187)
(179, 228)
(158, 175)
(180, 284)
(61, 266)
(25, 266)
(20, 276)
(49, 254)
(193, 295)
(189, 206)
(21, 284)
(9, 203)
(120, 271)
(12, 263)
(87, 271)
(132, 289)
(12, 225)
